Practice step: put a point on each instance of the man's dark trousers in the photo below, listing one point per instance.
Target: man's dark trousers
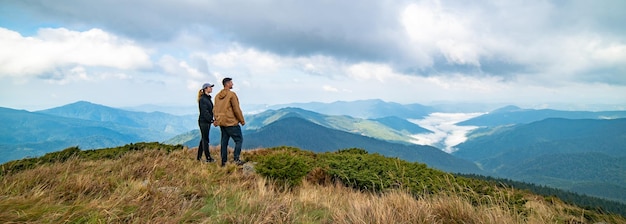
(233, 132)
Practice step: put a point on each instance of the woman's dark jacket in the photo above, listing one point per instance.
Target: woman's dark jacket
(206, 109)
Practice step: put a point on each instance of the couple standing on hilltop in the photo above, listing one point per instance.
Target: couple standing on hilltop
(228, 116)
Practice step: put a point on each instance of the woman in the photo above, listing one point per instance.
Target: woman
(205, 105)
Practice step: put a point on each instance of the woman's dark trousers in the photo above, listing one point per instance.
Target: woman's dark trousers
(204, 140)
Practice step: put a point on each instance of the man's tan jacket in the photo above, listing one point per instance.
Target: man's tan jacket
(227, 111)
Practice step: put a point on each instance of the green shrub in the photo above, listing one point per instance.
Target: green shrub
(361, 171)
(60, 156)
(374, 172)
(354, 167)
(355, 151)
(284, 168)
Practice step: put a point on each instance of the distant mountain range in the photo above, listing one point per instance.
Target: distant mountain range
(582, 155)
(510, 115)
(157, 125)
(388, 128)
(83, 124)
(365, 109)
(30, 134)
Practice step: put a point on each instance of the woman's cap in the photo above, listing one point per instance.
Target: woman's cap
(207, 85)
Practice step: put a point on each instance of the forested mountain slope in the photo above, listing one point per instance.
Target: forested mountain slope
(582, 155)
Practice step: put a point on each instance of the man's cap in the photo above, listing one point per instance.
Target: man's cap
(207, 85)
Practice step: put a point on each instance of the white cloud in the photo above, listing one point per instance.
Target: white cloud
(252, 59)
(176, 67)
(80, 74)
(525, 52)
(432, 30)
(328, 88)
(445, 134)
(522, 38)
(612, 53)
(53, 50)
(381, 73)
(318, 65)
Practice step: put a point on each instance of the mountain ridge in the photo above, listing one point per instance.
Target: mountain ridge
(556, 152)
(84, 124)
(31, 134)
(378, 128)
(510, 115)
(366, 109)
(157, 121)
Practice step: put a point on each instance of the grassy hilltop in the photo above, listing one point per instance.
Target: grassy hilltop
(155, 183)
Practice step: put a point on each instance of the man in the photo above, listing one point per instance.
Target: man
(228, 116)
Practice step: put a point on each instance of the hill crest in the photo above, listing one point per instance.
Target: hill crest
(513, 115)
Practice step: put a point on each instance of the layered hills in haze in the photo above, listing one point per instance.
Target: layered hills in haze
(582, 155)
(157, 125)
(369, 109)
(83, 124)
(30, 134)
(514, 115)
(389, 128)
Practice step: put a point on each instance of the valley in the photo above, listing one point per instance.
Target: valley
(445, 132)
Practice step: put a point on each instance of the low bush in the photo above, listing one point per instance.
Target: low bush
(353, 167)
(284, 168)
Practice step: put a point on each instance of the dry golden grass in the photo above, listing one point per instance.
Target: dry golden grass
(153, 186)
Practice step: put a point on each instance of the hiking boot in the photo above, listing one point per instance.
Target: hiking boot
(209, 160)
(239, 162)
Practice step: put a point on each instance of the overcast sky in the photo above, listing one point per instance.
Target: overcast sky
(120, 53)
